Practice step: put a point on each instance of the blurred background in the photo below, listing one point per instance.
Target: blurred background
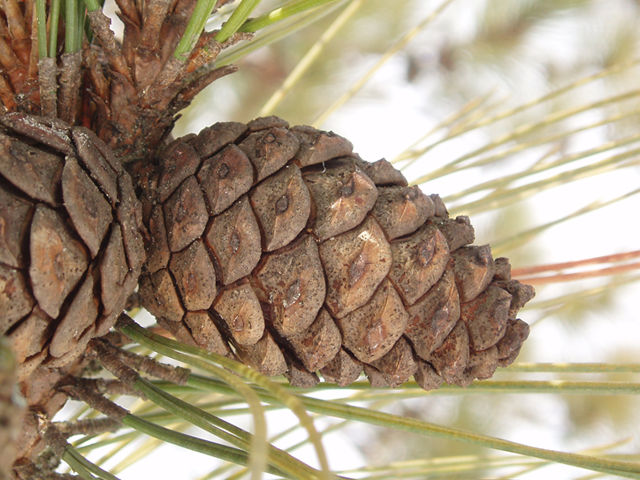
(462, 79)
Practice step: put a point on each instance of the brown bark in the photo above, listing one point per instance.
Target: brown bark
(70, 82)
(48, 76)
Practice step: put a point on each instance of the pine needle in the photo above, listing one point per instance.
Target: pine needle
(389, 54)
(275, 33)
(335, 409)
(290, 9)
(310, 58)
(521, 238)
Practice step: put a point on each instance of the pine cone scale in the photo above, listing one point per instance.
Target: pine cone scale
(58, 260)
(15, 299)
(371, 331)
(82, 313)
(233, 238)
(113, 271)
(282, 206)
(90, 212)
(195, 277)
(239, 308)
(318, 344)
(434, 316)
(396, 367)
(418, 262)
(486, 317)
(181, 163)
(158, 253)
(47, 131)
(16, 212)
(451, 358)
(29, 338)
(129, 216)
(104, 170)
(341, 198)
(214, 138)
(291, 282)
(185, 214)
(225, 177)
(355, 262)
(31, 169)
(269, 150)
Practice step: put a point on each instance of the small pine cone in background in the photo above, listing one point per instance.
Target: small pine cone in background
(71, 250)
(280, 246)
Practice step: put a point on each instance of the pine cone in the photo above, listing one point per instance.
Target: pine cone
(72, 247)
(285, 245)
(71, 250)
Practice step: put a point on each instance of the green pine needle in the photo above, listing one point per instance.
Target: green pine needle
(387, 420)
(189, 442)
(171, 349)
(238, 17)
(194, 28)
(72, 26)
(41, 15)
(84, 467)
(54, 16)
(275, 33)
(294, 7)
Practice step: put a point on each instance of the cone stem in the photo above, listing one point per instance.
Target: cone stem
(56, 441)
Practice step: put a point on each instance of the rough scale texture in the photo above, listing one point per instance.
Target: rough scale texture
(280, 246)
(71, 239)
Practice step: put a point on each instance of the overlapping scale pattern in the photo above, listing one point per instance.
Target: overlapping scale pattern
(71, 246)
(281, 247)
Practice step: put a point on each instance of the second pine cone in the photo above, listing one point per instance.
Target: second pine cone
(281, 247)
